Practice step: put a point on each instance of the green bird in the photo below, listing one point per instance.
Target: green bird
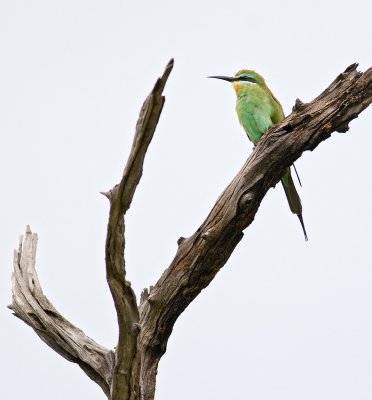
(258, 110)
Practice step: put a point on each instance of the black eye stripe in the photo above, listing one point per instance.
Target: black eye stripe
(246, 78)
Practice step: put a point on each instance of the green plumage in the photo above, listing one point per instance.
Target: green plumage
(258, 110)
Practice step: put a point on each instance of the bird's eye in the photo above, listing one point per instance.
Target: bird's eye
(247, 79)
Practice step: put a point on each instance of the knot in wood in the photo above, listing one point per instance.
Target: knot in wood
(136, 327)
(245, 200)
(151, 300)
(207, 235)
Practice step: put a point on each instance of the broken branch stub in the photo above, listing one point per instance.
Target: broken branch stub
(33, 307)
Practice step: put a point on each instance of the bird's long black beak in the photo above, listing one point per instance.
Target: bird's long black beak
(224, 78)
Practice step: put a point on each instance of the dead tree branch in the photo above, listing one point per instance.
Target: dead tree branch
(130, 372)
(201, 256)
(125, 377)
(32, 307)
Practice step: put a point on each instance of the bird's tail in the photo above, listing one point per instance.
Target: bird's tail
(293, 198)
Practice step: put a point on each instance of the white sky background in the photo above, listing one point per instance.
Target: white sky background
(284, 319)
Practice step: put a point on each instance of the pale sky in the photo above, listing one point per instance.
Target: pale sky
(283, 319)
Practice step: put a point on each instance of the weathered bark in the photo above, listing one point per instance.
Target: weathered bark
(32, 306)
(144, 330)
(125, 377)
(201, 256)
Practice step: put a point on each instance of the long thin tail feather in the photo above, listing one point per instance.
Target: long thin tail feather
(298, 176)
(293, 198)
(303, 225)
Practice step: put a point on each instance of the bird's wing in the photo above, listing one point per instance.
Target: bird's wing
(254, 121)
(263, 120)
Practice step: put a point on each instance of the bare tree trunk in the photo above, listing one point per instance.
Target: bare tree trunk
(129, 372)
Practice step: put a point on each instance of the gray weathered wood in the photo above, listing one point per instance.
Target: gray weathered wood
(32, 306)
(144, 330)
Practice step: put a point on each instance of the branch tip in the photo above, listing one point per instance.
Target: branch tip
(160, 83)
(31, 306)
(351, 68)
(144, 295)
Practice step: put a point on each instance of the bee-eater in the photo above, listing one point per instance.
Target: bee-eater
(258, 110)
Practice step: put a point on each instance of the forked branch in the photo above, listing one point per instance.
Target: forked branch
(130, 372)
